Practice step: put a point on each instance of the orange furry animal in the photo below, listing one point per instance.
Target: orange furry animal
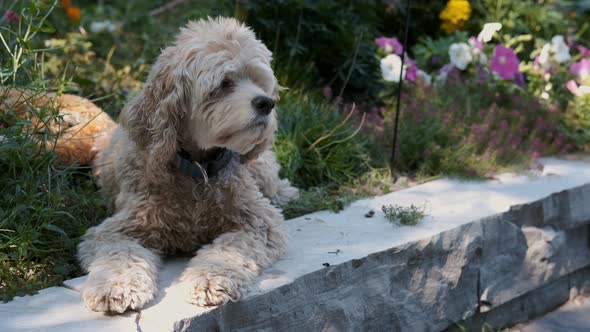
(84, 127)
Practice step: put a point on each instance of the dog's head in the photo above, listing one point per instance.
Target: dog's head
(213, 88)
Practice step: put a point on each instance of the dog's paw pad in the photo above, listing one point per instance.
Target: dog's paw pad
(213, 290)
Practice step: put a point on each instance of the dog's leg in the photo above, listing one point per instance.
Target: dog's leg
(222, 270)
(265, 171)
(122, 273)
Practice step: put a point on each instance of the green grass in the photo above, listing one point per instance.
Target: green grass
(317, 145)
(322, 151)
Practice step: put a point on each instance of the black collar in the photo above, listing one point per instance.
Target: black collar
(207, 168)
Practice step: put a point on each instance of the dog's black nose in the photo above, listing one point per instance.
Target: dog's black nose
(263, 105)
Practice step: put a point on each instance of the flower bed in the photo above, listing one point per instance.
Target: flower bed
(474, 105)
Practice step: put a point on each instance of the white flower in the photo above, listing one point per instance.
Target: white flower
(100, 26)
(560, 49)
(390, 68)
(583, 89)
(544, 56)
(545, 95)
(488, 31)
(460, 54)
(424, 77)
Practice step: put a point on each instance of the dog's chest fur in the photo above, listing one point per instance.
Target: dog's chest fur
(192, 212)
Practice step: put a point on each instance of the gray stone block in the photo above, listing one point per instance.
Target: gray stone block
(533, 304)
(518, 260)
(563, 210)
(417, 287)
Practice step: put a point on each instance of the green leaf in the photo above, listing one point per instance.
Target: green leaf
(56, 229)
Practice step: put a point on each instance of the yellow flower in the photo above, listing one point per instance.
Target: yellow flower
(454, 15)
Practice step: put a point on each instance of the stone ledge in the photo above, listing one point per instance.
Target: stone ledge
(443, 270)
(533, 251)
(563, 210)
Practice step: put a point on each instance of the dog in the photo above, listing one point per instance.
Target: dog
(190, 167)
(78, 132)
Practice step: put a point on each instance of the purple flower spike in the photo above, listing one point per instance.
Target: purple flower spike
(11, 16)
(411, 71)
(519, 79)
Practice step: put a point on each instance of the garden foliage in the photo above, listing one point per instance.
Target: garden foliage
(477, 99)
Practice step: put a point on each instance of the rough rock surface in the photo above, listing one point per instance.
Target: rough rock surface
(527, 257)
(416, 287)
(571, 317)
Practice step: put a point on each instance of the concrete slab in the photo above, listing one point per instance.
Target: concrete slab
(58, 309)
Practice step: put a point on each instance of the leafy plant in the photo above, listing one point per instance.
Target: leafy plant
(434, 53)
(43, 209)
(577, 121)
(317, 145)
(335, 37)
(317, 199)
(400, 215)
(471, 127)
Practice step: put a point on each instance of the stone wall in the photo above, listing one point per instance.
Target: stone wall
(499, 271)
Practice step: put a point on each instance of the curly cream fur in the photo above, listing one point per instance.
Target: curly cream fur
(157, 210)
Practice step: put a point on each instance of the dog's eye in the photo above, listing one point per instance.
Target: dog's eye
(227, 83)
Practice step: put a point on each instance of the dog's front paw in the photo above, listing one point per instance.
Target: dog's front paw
(285, 194)
(211, 289)
(116, 294)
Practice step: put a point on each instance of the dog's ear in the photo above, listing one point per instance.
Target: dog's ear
(153, 118)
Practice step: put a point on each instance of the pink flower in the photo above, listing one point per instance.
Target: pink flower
(389, 44)
(476, 43)
(573, 87)
(577, 90)
(11, 16)
(583, 51)
(581, 69)
(504, 62)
